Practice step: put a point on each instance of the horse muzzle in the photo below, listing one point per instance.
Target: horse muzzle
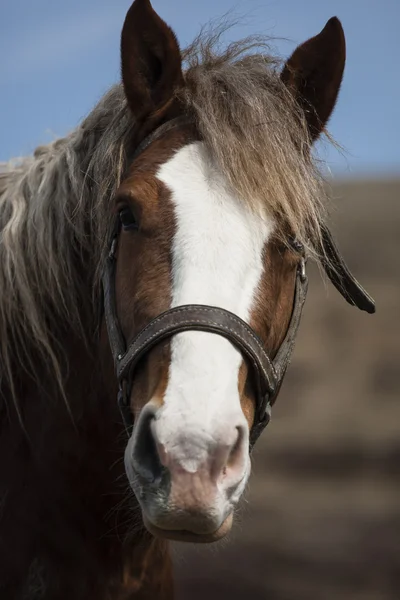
(187, 482)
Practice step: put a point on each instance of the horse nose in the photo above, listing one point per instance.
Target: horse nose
(208, 460)
(145, 456)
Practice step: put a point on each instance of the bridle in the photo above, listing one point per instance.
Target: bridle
(268, 374)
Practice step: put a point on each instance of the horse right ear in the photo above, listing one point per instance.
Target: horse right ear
(151, 61)
(314, 72)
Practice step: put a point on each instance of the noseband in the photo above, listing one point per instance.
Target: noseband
(268, 374)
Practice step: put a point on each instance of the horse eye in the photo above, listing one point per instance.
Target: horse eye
(128, 220)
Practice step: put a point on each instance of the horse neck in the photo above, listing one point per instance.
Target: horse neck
(65, 473)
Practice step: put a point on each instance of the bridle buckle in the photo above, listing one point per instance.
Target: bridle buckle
(302, 269)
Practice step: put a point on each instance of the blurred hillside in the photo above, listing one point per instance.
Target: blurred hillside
(322, 516)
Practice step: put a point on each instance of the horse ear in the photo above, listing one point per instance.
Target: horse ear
(151, 61)
(314, 73)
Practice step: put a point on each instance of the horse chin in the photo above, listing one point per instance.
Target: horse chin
(190, 536)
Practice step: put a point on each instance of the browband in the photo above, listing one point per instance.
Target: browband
(160, 132)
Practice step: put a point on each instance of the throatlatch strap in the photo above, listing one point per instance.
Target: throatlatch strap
(340, 276)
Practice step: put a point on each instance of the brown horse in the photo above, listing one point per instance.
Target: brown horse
(192, 191)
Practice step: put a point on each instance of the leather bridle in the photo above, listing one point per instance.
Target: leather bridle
(268, 374)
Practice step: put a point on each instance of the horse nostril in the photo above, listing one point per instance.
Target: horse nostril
(146, 460)
(237, 448)
(232, 468)
(227, 459)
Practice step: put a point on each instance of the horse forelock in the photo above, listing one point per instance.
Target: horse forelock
(55, 210)
(255, 131)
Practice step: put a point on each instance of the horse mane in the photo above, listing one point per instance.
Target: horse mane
(55, 206)
(54, 218)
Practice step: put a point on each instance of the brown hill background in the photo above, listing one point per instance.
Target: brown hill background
(321, 520)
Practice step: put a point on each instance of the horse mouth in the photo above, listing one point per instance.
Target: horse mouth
(182, 535)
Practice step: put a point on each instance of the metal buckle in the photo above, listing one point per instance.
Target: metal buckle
(268, 412)
(302, 269)
(265, 415)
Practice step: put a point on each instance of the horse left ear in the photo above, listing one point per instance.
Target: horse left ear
(314, 73)
(151, 62)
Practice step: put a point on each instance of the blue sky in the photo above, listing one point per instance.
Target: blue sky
(58, 58)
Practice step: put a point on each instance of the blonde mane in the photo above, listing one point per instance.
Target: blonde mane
(55, 206)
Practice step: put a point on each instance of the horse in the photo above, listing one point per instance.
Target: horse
(156, 256)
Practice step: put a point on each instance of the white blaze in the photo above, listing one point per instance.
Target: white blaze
(217, 260)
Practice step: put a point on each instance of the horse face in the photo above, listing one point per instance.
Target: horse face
(186, 239)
